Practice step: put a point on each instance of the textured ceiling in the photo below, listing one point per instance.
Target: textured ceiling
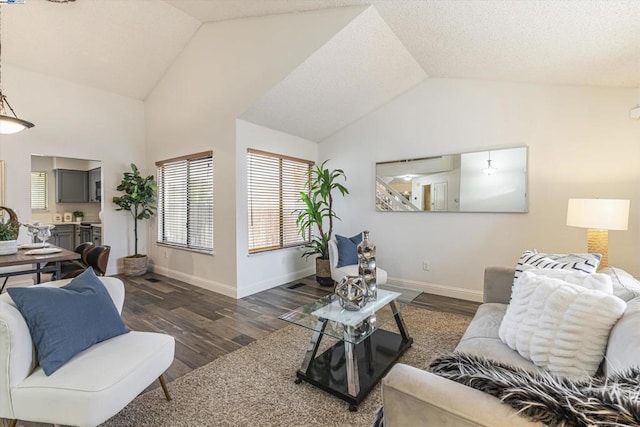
(126, 46)
(574, 42)
(358, 70)
(122, 46)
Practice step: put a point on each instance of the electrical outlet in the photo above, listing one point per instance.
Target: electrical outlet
(426, 266)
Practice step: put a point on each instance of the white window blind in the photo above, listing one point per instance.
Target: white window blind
(39, 196)
(185, 202)
(274, 185)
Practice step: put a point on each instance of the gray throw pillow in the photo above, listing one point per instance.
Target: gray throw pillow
(625, 286)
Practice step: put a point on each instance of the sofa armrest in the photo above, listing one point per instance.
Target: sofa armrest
(497, 284)
(413, 397)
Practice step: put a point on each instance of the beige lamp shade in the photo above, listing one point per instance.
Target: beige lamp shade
(599, 216)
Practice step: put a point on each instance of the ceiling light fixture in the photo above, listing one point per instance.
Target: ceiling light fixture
(8, 124)
(490, 169)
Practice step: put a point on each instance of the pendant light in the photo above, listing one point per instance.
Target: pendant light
(8, 123)
(490, 170)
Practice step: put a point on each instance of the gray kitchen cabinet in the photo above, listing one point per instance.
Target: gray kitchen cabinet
(96, 235)
(64, 236)
(84, 234)
(71, 186)
(95, 185)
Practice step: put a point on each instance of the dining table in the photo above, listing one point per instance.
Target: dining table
(36, 260)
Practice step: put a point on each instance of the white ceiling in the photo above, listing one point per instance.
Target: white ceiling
(358, 70)
(126, 46)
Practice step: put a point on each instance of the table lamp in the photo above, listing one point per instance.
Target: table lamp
(599, 216)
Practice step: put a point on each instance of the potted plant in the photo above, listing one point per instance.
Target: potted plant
(9, 230)
(318, 213)
(78, 215)
(138, 199)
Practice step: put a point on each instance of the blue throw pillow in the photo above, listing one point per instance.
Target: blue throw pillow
(64, 321)
(348, 249)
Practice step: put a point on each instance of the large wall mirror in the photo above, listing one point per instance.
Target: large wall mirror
(482, 181)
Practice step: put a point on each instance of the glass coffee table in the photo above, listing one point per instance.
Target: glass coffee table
(369, 342)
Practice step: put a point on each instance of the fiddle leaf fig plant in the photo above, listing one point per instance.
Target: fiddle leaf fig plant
(139, 198)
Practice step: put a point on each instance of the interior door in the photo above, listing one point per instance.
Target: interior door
(426, 197)
(440, 196)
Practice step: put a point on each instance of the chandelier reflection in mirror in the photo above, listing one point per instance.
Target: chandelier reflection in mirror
(489, 169)
(460, 182)
(8, 124)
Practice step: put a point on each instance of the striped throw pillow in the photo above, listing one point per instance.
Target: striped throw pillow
(530, 259)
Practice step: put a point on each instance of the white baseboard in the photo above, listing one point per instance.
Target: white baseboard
(272, 282)
(230, 291)
(433, 288)
(211, 285)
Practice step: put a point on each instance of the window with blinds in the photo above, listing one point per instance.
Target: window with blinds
(274, 186)
(39, 196)
(185, 202)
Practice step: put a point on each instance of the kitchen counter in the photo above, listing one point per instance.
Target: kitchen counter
(75, 223)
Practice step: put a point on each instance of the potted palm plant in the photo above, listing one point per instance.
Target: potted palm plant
(9, 230)
(319, 213)
(139, 200)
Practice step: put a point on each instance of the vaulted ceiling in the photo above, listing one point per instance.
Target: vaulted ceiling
(126, 46)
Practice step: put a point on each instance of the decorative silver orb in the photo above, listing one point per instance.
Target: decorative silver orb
(352, 293)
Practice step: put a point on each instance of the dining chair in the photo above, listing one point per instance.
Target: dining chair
(97, 258)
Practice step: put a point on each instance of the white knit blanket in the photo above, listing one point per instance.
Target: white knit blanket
(561, 326)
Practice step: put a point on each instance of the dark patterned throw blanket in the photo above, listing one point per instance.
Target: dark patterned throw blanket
(554, 401)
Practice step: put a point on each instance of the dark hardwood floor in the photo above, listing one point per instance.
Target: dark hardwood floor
(207, 325)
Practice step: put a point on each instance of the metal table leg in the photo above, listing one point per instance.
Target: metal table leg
(38, 268)
(312, 348)
(399, 321)
(351, 359)
(58, 273)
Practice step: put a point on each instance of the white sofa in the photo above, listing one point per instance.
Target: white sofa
(337, 273)
(89, 389)
(414, 397)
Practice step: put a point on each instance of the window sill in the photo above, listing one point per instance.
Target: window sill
(186, 248)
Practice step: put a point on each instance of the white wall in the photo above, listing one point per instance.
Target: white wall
(225, 68)
(78, 122)
(257, 272)
(581, 144)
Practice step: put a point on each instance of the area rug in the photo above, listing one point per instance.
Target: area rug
(254, 386)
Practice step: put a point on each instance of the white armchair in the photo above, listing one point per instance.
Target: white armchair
(90, 388)
(337, 273)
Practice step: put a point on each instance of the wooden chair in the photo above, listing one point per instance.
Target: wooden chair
(97, 258)
(69, 267)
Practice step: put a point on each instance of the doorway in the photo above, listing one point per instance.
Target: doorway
(426, 197)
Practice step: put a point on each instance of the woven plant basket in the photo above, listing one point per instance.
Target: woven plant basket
(323, 272)
(13, 220)
(10, 247)
(135, 266)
